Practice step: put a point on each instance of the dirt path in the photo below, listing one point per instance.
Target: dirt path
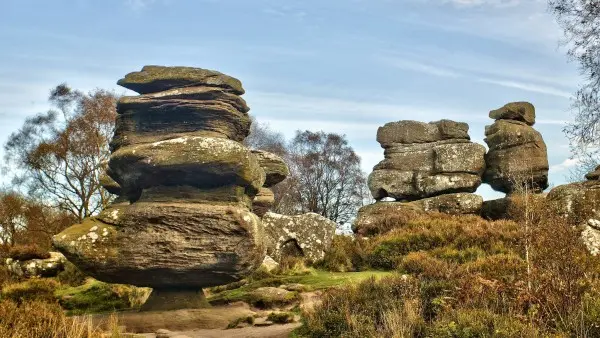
(274, 331)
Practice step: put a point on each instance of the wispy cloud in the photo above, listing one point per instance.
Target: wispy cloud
(419, 67)
(527, 87)
(492, 3)
(565, 165)
(138, 5)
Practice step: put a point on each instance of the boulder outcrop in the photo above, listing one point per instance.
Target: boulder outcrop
(307, 235)
(184, 217)
(425, 160)
(34, 268)
(517, 159)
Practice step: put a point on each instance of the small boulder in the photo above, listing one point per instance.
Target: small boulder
(263, 201)
(518, 111)
(307, 235)
(594, 175)
(276, 170)
(267, 297)
(35, 268)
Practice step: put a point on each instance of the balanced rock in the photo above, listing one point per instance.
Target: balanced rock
(275, 168)
(35, 268)
(594, 175)
(152, 79)
(307, 235)
(517, 158)
(425, 160)
(517, 111)
(183, 220)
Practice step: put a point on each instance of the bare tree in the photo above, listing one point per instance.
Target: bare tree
(262, 137)
(58, 155)
(580, 20)
(326, 176)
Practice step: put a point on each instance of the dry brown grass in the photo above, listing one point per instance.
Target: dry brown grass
(38, 319)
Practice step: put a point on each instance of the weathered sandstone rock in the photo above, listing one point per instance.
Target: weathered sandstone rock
(202, 162)
(518, 111)
(308, 235)
(407, 132)
(153, 79)
(34, 268)
(110, 185)
(517, 157)
(167, 245)
(594, 175)
(263, 201)
(453, 204)
(275, 168)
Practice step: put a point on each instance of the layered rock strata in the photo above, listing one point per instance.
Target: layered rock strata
(276, 170)
(427, 167)
(517, 160)
(184, 218)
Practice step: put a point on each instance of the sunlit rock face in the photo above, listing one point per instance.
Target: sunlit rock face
(183, 220)
(425, 160)
(517, 160)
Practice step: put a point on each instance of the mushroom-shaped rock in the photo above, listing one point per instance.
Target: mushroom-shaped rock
(307, 235)
(518, 111)
(153, 79)
(275, 168)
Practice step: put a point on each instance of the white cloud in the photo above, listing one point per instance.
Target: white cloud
(138, 5)
(493, 3)
(564, 165)
(419, 67)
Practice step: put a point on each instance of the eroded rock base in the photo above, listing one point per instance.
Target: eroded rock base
(175, 299)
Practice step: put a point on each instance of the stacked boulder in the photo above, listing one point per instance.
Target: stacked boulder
(37, 267)
(276, 170)
(428, 166)
(184, 218)
(517, 159)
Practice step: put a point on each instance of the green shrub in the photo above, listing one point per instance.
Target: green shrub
(389, 307)
(236, 322)
(27, 252)
(41, 289)
(97, 297)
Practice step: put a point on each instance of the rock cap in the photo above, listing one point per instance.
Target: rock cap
(152, 79)
(519, 111)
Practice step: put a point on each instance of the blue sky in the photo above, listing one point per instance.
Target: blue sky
(345, 66)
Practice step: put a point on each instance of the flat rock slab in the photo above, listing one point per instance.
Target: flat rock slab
(409, 131)
(518, 111)
(152, 79)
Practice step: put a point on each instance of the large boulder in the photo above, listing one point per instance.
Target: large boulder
(518, 111)
(453, 204)
(203, 162)
(425, 160)
(167, 245)
(307, 235)
(574, 198)
(407, 132)
(517, 158)
(275, 168)
(35, 268)
(153, 79)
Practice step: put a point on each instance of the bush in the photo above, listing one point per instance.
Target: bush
(480, 323)
(345, 254)
(27, 252)
(281, 317)
(423, 265)
(385, 308)
(34, 289)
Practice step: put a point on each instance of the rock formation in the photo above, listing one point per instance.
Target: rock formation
(34, 268)
(517, 158)
(276, 170)
(425, 160)
(183, 220)
(307, 235)
(428, 167)
(580, 201)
